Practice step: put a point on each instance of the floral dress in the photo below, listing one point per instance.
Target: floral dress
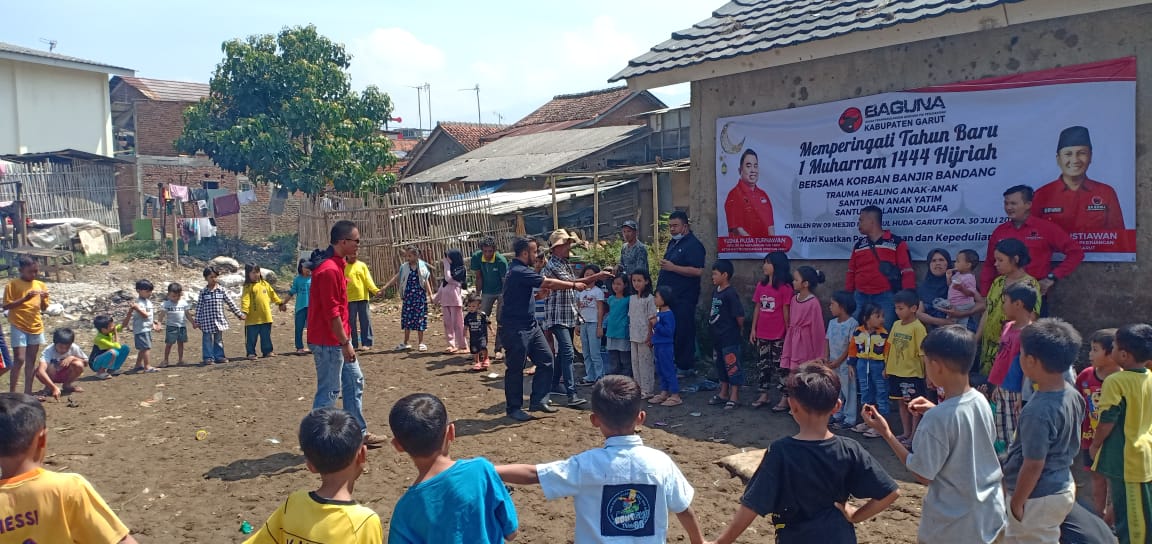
(414, 312)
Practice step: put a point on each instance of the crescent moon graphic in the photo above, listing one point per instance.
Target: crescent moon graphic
(727, 144)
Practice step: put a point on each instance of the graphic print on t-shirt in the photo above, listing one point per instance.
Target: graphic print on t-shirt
(767, 303)
(628, 510)
(714, 312)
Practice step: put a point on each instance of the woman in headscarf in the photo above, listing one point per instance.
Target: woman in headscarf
(450, 297)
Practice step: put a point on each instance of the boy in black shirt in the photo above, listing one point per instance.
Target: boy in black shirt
(477, 324)
(805, 480)
(726, 321)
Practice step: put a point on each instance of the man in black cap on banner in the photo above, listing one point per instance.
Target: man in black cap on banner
(1073, 201)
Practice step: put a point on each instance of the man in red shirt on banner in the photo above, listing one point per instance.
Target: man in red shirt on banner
(747, 208)
(1073, 201)
(1041, 236)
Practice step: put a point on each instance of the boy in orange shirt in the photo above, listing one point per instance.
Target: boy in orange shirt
(45, 506)
(24, 298)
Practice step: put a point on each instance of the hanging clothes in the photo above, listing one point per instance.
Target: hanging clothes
(277, 202)
(246, 197)
(179, 192)
(226, 205)
(199, 194)
(151, 205)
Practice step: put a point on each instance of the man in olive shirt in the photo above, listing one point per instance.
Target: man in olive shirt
(490, 268)
(633, 253)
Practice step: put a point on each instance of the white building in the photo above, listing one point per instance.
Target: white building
(51, 102)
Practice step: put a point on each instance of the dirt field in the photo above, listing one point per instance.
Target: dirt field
(169, 487)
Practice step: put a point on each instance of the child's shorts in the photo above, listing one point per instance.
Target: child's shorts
(57, 373)
(173, 335)
(143, 340)
(727, 363)
(476, 345)
(906, 389)
(21, 339)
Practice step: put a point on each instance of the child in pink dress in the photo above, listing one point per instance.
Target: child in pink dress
(805, 340)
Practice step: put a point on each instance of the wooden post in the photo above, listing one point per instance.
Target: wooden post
(175, 237)
(163, 217)
(655, 209)
(555, 211)
(596, 210)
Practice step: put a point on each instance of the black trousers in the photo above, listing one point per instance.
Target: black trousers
(518, 346)
(685, 341)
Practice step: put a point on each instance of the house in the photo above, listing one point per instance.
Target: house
(447, 141)
(53, 102)
(603, 108)
(763, 74)
(148, 117)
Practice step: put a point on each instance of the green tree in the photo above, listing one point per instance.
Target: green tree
(281, 111)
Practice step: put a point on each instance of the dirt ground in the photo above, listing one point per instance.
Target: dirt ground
(143, 456)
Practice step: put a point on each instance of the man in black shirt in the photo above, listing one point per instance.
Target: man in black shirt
(521, 334)
(680, 269)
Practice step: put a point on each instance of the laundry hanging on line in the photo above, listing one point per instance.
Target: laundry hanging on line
(179, 192)
(246, 197)
(226, 205)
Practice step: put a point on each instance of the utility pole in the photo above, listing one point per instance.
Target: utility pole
(419, 107)
(431, 120)
(476, 89)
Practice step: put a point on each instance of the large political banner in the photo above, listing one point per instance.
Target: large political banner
(937, 161)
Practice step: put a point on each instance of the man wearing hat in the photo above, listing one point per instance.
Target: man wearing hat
(634, 254)
(1073, 201)
(561, 316)
(490, 268)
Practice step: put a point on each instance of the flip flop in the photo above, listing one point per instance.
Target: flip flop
(759, 404)
(478, 367)
(717, 400)
(657, 399)
(731, 405)
(672, 402)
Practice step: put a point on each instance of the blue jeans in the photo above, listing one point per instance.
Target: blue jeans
(111, 360)
(873, 384)
(361, 326)
(847, 394)
(212, 347)
(593, 362)
(885, 301)
(301, 324)
(565, 351)
(520, 345)
(334, 378)
(261, 331)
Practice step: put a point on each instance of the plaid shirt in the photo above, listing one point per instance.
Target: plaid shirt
(210, 310)
(560, 308)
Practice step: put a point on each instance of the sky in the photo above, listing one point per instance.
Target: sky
(520, 53)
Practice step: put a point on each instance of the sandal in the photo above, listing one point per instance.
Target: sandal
(672, 402)
(487, 363)
(716, 400)
(760, 404)
(478, 367)
(731, 405)
(782, 406)
(657, 399)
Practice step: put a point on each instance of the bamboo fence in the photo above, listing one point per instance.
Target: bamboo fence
(53, 190)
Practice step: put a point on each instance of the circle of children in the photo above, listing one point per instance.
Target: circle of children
(996, 458)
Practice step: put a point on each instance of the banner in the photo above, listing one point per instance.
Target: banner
(937, 161)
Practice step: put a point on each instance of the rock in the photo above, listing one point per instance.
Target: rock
(226, 264)
(234, 279)
(268, 275)
(54, 309)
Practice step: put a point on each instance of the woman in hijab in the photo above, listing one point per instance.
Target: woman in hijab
(450, 297)
(934, 288)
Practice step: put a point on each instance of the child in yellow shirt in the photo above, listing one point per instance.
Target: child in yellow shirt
(24, 298)
(361, 288)
(42, 505)
(256, 303)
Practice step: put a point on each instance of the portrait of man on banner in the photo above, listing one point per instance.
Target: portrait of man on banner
(1074, 201)
(748, 208)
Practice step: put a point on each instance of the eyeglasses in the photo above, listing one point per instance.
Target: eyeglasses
(353, 240)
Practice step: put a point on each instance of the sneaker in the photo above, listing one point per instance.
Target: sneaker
(520, 415)
(574, 401)
(374, 442)
(403, 347)
(422, 347)
(546, 408)
(861, 428)
(838, 426)
(585, 382)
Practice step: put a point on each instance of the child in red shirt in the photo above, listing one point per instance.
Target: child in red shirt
(1089, 383)
(1004, 392)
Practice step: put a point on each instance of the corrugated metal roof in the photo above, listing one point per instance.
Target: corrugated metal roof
(743, 27)
(516, 157)
(26, 54)
(168, 91)
(505, 203)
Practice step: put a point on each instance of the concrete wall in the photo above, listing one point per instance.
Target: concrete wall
(1113, 291)
(45, 108)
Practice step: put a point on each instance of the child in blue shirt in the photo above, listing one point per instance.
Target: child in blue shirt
(663, 328)
(301, 284)
(481, 510)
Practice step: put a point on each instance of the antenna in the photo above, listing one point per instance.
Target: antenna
(431, 122)
(499, 118)
(51, 44)
(419, 107)
(476, 89)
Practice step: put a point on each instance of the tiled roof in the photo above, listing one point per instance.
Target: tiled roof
(8, 50)
(403, 145)
(167, 91)
(469, 134)
(576, 107)
(743, 27)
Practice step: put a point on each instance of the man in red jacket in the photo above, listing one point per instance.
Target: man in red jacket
(1040, 236)
(337, 370)
(876, 252)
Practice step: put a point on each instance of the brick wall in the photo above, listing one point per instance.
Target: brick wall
(190, 176)
(127, 199)
(158, 124)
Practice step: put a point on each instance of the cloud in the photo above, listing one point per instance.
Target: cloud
(395, 57)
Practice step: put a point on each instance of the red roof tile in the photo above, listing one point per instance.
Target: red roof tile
(167, 91)
(405, 145)
(576, 107)
(469, 134)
